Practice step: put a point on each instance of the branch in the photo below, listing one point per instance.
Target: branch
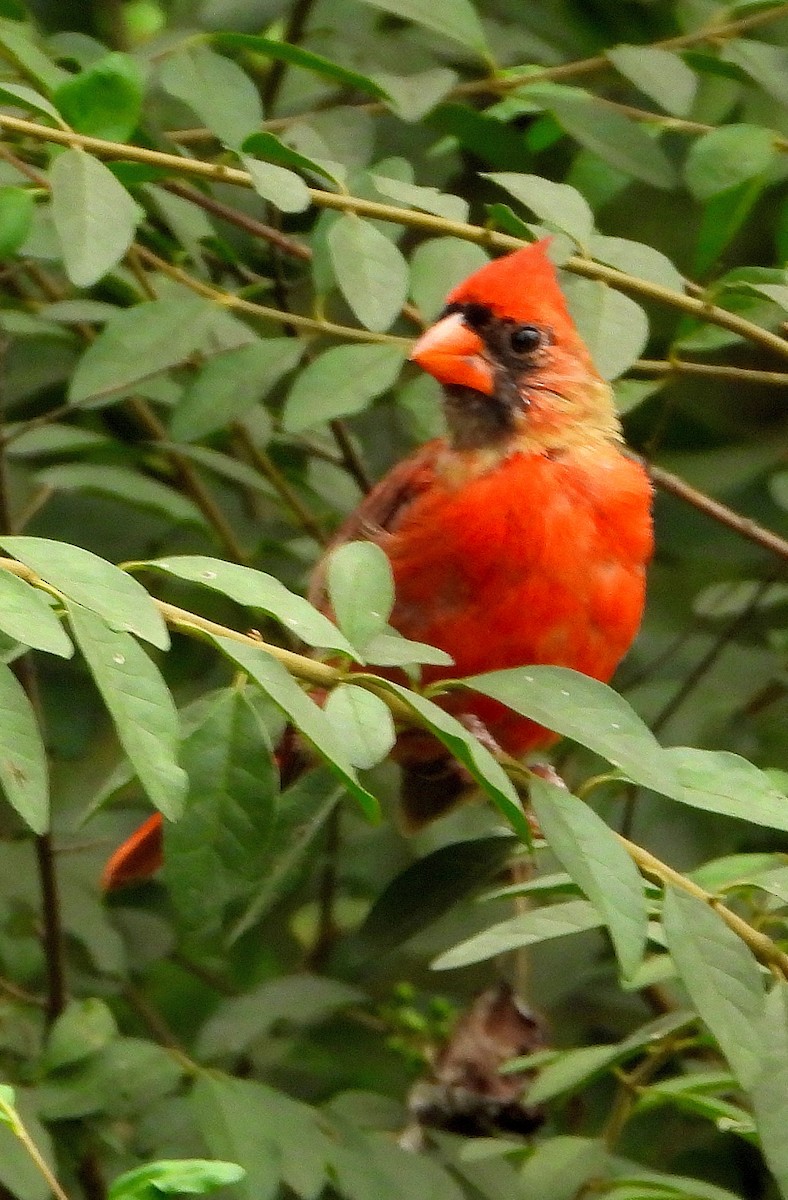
(680, 366)
(692, 305)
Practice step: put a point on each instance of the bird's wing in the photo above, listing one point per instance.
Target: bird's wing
(382, 509)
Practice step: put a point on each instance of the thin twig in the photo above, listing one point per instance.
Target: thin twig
(350, 456)
(268, 468)
(13, 1119)
(293, 32)
(692, 305)
(680, 366)
(258, 229)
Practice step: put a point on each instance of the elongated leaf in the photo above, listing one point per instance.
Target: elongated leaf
(360, 589)
(195, 1176)
(575, 1068)
(139, 704)
(429, 199)
(297, 56)
(370, 270)
(589, 712)
(589, 850)
(425, 890)
(216, 89)
(310, 720)
(232, 383)
(122, 483)
(94, 584)
(718, 781)
(437, 266)
(560, 206)
(770, 1087)
(722, 978)
(342, 381)
(527, 929)
(299, 999)
(413, 96)
(265, 145)
(27, 97)
(455, 19)
(138, 343)
(254, 589)
(23, 761)
(26, 617)
(299, 818)
(766, 64)
(223, 835)
(468, 750)
(659, 74)
(636, 258)
(95, 217)
(364, 724)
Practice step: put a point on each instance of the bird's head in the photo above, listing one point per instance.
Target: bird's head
(514, 369)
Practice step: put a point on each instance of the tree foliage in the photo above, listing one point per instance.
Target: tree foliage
(221, 225)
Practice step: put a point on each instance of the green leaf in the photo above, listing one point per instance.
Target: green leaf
(721, 976)
(299, 819)
(636, 258)
(310, 720)
(23, 761)
(428, 199)
(468, 750)
(94, 584)
(370, 270)
(559, 1167)
(140, 705)
(364, 724)
(437, 266)
(229, 816)
(216, 89)
(298, 999)
(104, 100)
(193, 1176)
(81, 1030)
(27, 617)
(726, 158)
(766, 64)
(254, 589)
(390, 649)
(769, 1090)
(526, 929)
(138, 343)
(265, 145)
(130, 486)
(16, 215)
(718, 781)
(360, 587)
(95, 217)
(614, 137)
(269, 1134)
(455, 19)
(657, 73)
(425, 891)
(723, 217)
(30, 58)
(413, 96)
(340, 382)
(589, 850)
(612, 325)
(575, 1068)
(282, 187)
(585, 710)
(19, 94)
(558, 205)
(227, 386)
(18, 1172)
(297, 56)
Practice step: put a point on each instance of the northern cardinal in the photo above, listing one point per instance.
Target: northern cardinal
(522, 537)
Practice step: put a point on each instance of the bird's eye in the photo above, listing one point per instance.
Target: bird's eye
(525, 338)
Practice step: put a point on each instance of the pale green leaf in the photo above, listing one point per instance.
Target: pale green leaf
(370, 270)
(428, 199)
(360, 587)
(27, 617)
(556, 204)
(363, 722)
(94, 584)
(216, 89)
(726, 158)
(281, 186)
(721, 976)
(560, 1166)
(437, 266)
(23, 760)
(455, 19)
(770, 1087)
(95, 217)
(340, 382)
(526, 929)
(140, 705)
(613, 326)
(659, 74)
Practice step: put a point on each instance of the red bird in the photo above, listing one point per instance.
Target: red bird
(522, 537)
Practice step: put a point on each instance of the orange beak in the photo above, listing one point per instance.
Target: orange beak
(454, 354)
